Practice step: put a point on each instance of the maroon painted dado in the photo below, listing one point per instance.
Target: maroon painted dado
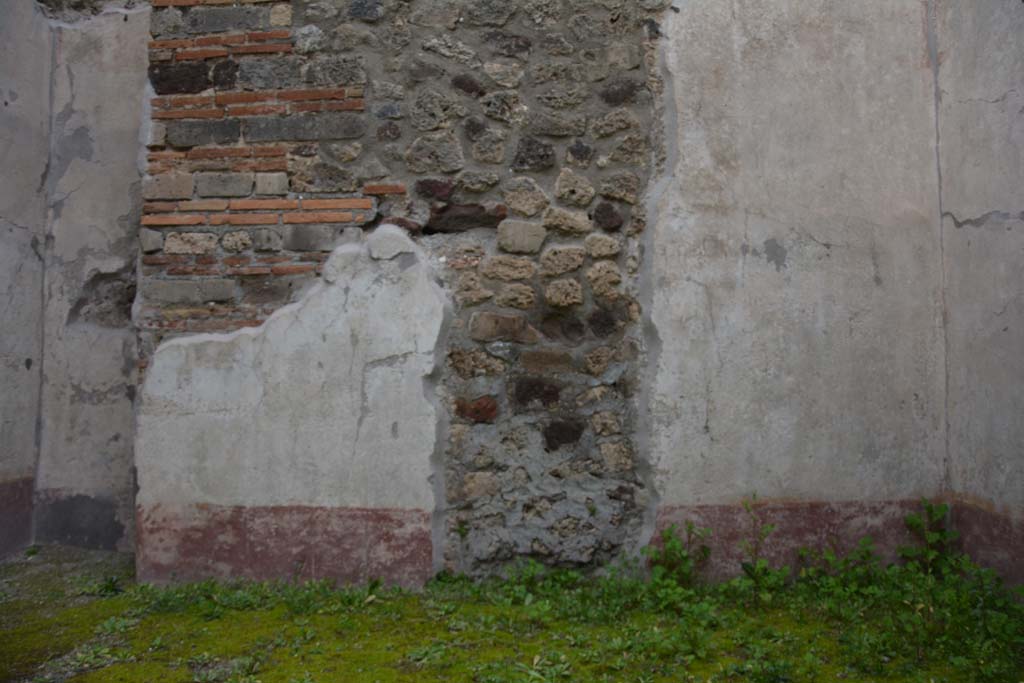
(345, 544)
(993, 538)
(15, 514)
(816, 525)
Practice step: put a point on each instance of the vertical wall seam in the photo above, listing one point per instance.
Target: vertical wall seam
(666, 121)
(933, 56)
(44, 188)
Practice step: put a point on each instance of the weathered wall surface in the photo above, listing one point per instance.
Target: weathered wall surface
(795, 283)
(85, 479)
(981, 134)
(808, 290)
(24, 140)
(304, 447)
(516, 139)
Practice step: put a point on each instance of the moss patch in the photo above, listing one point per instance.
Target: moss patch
(537, 626)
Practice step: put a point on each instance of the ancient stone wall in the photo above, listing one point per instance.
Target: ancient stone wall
(685, 254)
(516, 139)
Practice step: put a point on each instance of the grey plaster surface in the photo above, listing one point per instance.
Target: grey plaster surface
(24, 131)
(981, 134)
(796, 283)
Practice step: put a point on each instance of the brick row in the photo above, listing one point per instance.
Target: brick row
(193, 3)
(211, 205)
(234, 267)
(260, 110)
(223, 99)
(176, 220)
(241, 166)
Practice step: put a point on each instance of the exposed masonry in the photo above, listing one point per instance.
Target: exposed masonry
(516, 138)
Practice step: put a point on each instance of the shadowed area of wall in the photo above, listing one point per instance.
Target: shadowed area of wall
(24, 131)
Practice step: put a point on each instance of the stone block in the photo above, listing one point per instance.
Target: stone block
(267, 239)
(224, 184)
(524, 196)
(574, 189)
(572, 222)
(150, 240)
(329, 126)
(435, 152)
(270, 72)
(533, 155)
(167, 186)
(309, 238)
(203, 20)
(271, 184)
(543, 361)
(450, 218)
(559, 260)
(480, 484)
(281, 15)
(187, 291)
(178, 78)
(483, 409)
(521, 237)
(240, 240)
(508, 268)
(556, 125)
(334, 70)
(203, 132)
(190, 243)
(156, 135)
(488, 327)
(602, 246)
(516, 296)
(564, 293)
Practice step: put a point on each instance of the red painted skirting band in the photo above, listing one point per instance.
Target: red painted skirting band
(838, 526)
(348, 545)
(15, 514)
(993, 539)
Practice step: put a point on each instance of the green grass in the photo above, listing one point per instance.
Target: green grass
(838, 619)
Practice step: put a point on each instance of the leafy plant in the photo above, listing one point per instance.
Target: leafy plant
(934, 554)
(679, 558)
(765, 581)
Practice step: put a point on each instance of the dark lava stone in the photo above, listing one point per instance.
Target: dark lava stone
(607, 217)
(179, 78)
(508, 44)
(563, 328)
(475, 128)
(603, 323)
(449, 218)
(529, 389)
(366, 10)
(468, 85)
(620, 91)
(581, 153)
(389, 131)
(533, 155)
(225, 74)
(435, 188)
(562, 433)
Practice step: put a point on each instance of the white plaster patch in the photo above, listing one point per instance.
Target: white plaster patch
(323, 405)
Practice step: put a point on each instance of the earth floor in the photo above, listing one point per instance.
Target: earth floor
(74, 615)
